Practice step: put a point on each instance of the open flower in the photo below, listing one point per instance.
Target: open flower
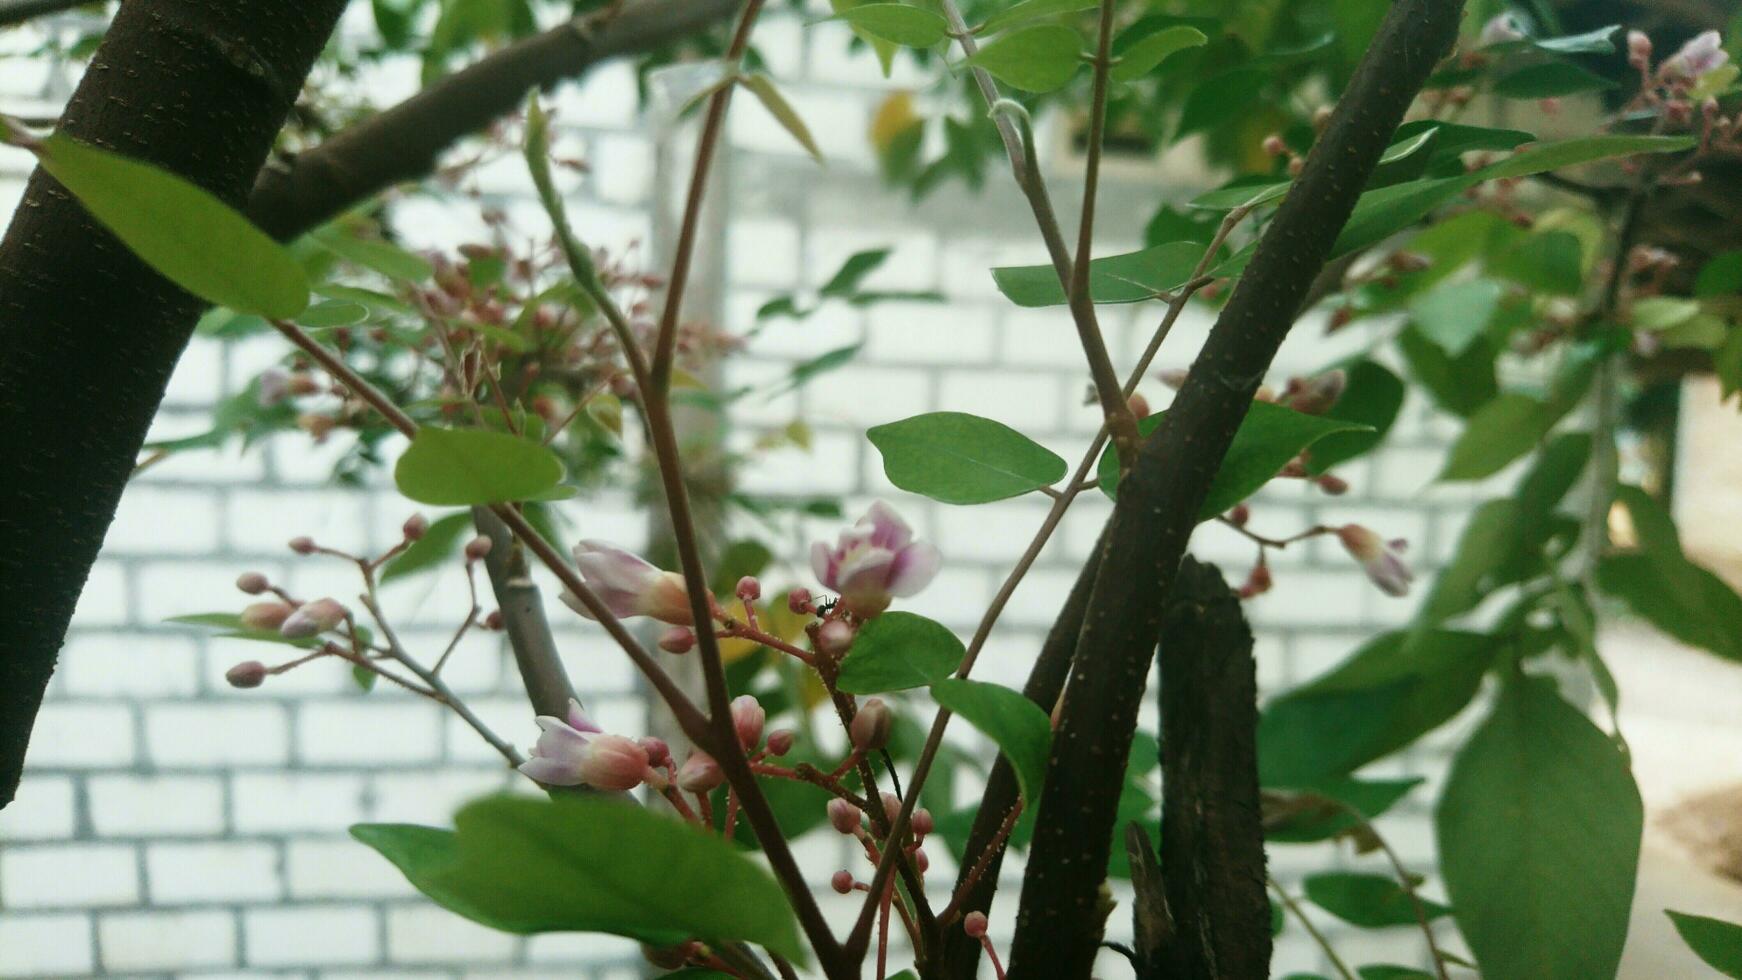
(1704, 52)
(574, 751)
(1382, 561)
(875, 561)
(629, 585)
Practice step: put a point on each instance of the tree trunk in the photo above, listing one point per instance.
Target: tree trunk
(89, 333)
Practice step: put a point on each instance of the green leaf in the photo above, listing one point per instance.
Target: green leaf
(1716, 942)
(189, 236)
(1017, 725)
(963, 459)
(897, 23)
(1548, 80)
(1220, 98)
(1460, 385)
(377, 256)
(1454, 139)
(1372, 398)
(1490, 540)
(1128, 278)
(1455, 314)
(1314, 823)
(1268, 438)
(1141, 58)
(463, 467)
(1366, 900)
(333, 313)
(232, 629)
(1560, 154)
(1663, 312)
(528, 865)
(1720, 275)
(1727, 364)
(1034, 59)
(1029, 10)
(1662, 586)
(762, 87)
(1501, 431)
(1390, 692)
(1548, 262)
(440, 542)
(851, 275)
(1539, 828)
(897, 651)
(1556, 469)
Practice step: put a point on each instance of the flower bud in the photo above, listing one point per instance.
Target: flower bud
(922, 822)
(273, 387)
(748, 717)
(1332, 484)
(252, 583)
(1382, 561)
(974, 924)
(248, 673)
(1274, 146)
(493, 620)
(1316, 395)
(1139, 405)
(1239, 515)
(1638, 50)
(416, 526)
(798, 601)
(749, 589)
(891, 806)
(1174, 378)
(668, 957)
(844, 816)
(477, 548)
(699, 773)
(872, 726)
(834, 637)
(303, 545)
(265, 615)
(312, 618)
(921, 863)
(678, 639)
(780, 741)
(842, 881)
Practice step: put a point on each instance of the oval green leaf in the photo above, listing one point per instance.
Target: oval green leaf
(189, 236)
(1017, 725)
(897, 23)
(897, 651)
(1539, 828)
(1128, 278)
(1029, 10)
(1716, 942)
(1141, 58)
(963, 459)
(464, 467)
(1372, 398)
(526, 865)
(1034, 59)
(1549, 80)
(1367, 900)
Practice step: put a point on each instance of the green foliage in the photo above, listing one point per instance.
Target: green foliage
(1366, 900)
(1539, 828)
(463, 467)
(1033, 59)
(1659, 583)
(527, 865)
(897, 23)
(963, 459)
(897, 651)
(1716, 942)
(440, 542)
(1142, 57)
(189, 236)
(1129, 278)
(1028, 10)
(763, 88)
(1018, 726)
(1371, 399)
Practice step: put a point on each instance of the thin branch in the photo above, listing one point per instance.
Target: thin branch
(1404, 880)
(404, 142)
(1300, 915)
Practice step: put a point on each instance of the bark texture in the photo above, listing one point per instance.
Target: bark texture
(1059, 922)
(90, 334)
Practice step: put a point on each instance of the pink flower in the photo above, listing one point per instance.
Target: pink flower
(1499, 30)
(629, 585)
(875, 561)
(1701, 54)
(1383, 561)
(573, 751)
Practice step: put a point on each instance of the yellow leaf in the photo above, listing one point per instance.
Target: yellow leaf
(894, 117)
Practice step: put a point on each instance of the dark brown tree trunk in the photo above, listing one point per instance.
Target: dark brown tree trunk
(89, 334)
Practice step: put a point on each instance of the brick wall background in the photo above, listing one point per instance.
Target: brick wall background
(170, 826)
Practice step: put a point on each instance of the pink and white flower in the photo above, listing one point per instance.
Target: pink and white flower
(1704, 52)
(875, 561)
(1499, 30)
(1382, 560)
(630, 585)
(573, 751)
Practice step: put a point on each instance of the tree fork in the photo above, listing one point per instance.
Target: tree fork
(91, 334)
(1059, 922)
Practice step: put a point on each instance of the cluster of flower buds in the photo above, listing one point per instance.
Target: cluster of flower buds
(1684, 86)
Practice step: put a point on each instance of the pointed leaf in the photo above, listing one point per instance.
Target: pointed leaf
(897, 651)
(1367, 900)
(1372, 398)
(1034, 59)
(1549, 80)
(763, 88)
(1017, 725)
(963, 459)
(1714, 941)
(1029, 10)
(1128, 278)
(897, 23)
(1141, 58)
(463, 467)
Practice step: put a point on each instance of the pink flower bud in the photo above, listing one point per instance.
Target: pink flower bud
(303, 545)
(678, 639)
(1316, 395)
(749, 589)
(921, 863)
(844, 816)
(613, 762)
(252, 583)
(974, 924)
(630, 586)
(265, 615)
(780, 741)
(891, 806)
(1382, 561)
(1257, 583)
(313, 618)
(922, 822)
(748, 717)
(1239, 515)
(1638, 50)
(872, 726)
(1703, 53)
(699, 773)
(842, 881)
(477, 548)
(416, 526)
(834, 638)
(658, 753)
(1274, 146)
(1332, 484)
(1139, 405)
(493, 620)
(1174, 378)
(248, 673)
(798, 601)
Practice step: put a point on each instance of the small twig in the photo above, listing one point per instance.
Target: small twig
(1312, 930)
(952, 911)
(1405, 880)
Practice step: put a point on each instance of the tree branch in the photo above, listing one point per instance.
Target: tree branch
(403, 143)
(1061, 915)
(535, 654)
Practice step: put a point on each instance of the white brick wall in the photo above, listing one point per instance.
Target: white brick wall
(170, 826)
